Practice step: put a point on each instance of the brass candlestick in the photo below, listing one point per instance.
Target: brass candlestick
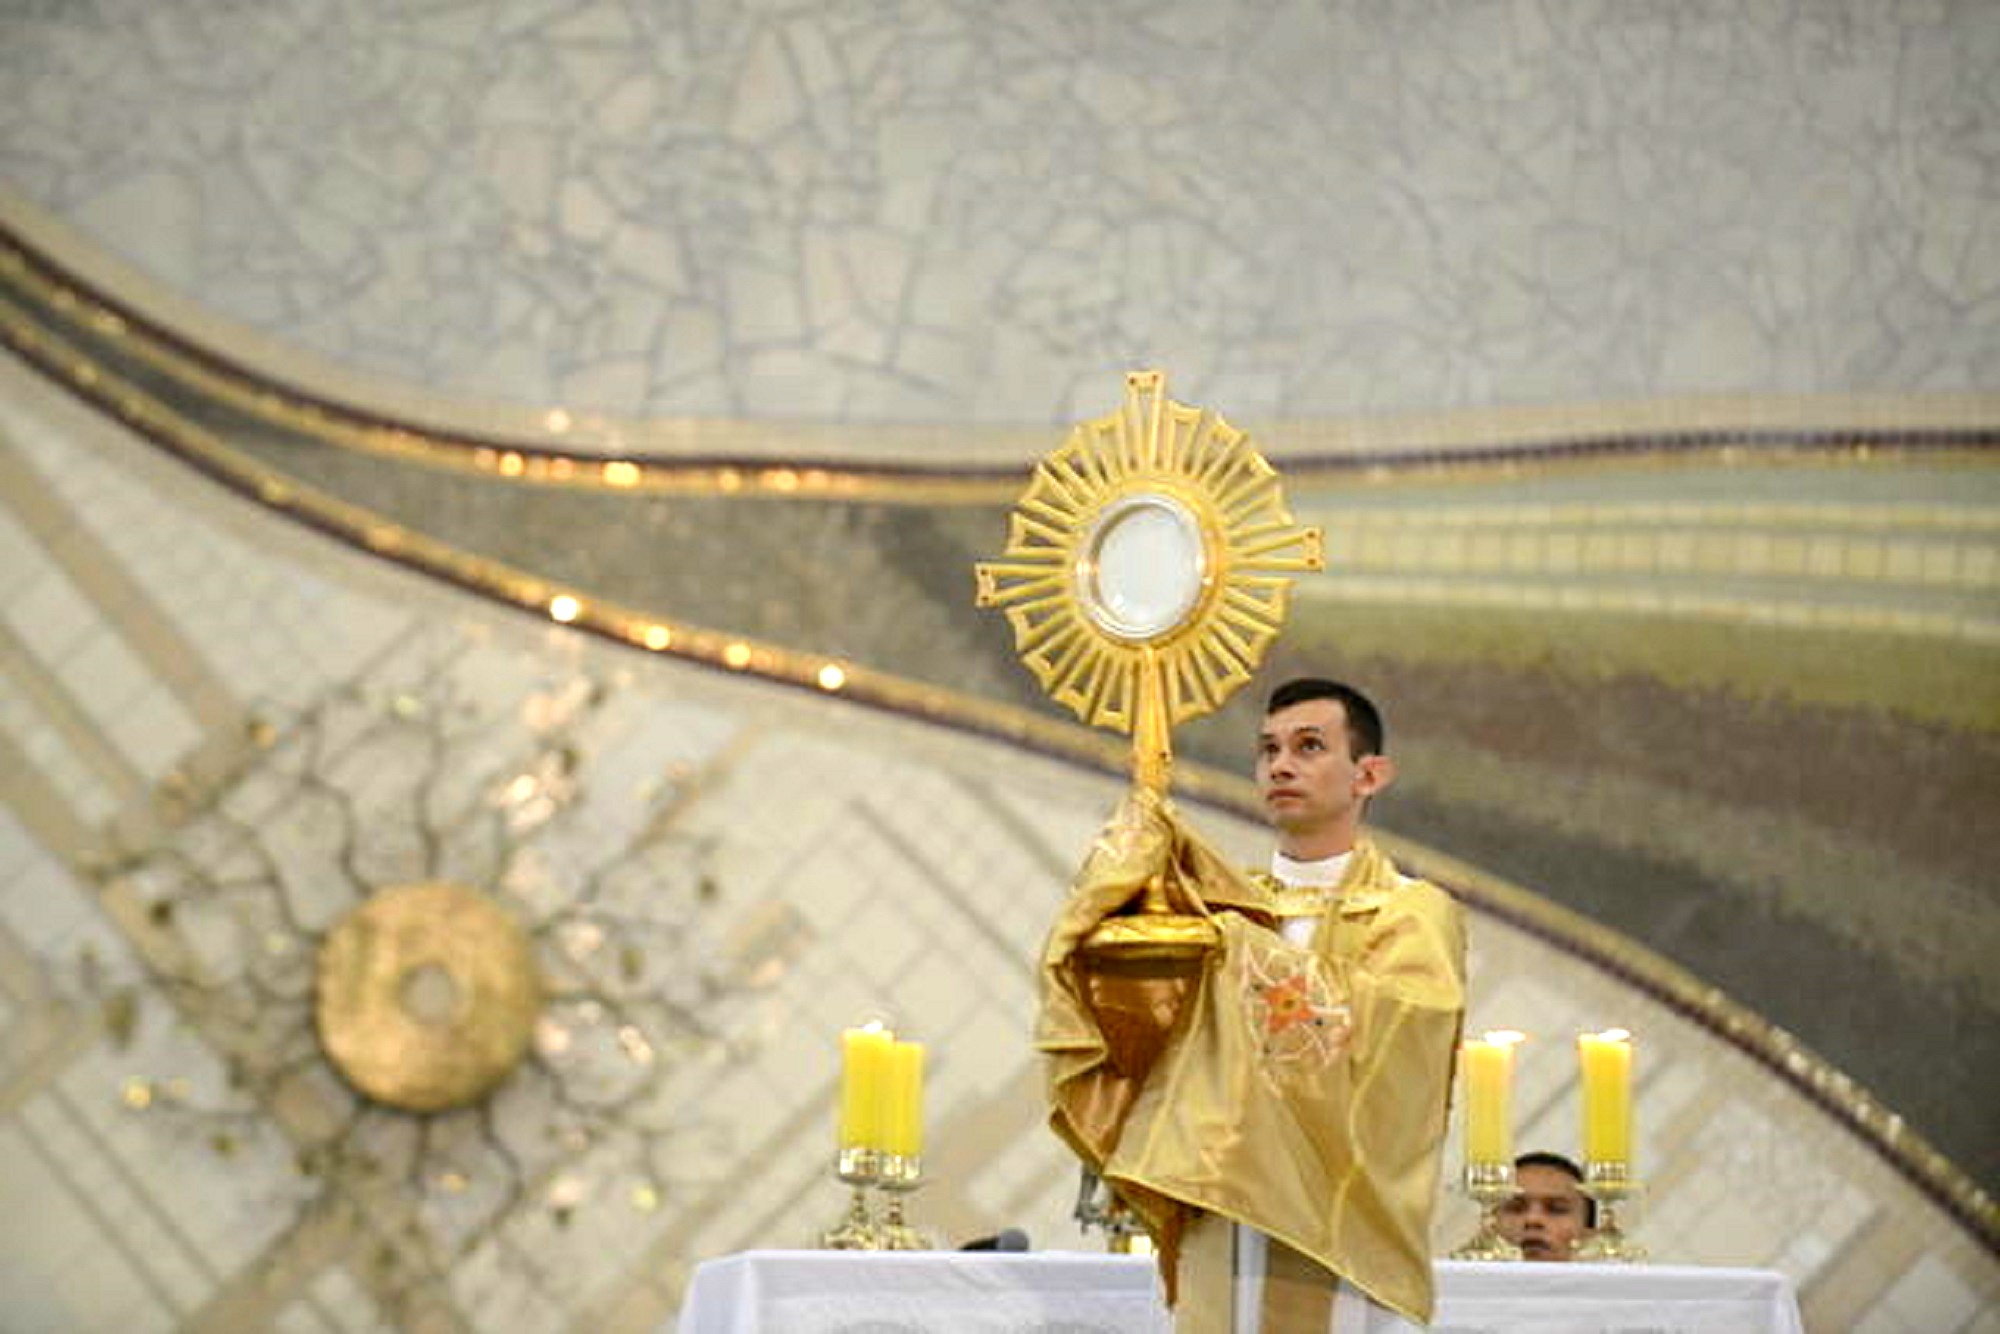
(1097, 1205)
(857, 1231)
(1608, 1183)
(1490, 1185)
(901, 1174)
(1124, 1234)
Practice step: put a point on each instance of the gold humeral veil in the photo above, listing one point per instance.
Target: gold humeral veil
(1299, 1091)
(1209, 1070)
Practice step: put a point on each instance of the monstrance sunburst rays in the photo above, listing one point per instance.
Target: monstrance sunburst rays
(1169, 454)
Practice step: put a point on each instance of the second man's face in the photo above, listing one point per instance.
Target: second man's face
(1545, 1216)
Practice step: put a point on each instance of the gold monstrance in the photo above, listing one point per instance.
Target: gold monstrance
(1145, 575)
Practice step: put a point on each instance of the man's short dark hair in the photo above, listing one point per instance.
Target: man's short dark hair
(1365, 733)
(1542, 1158)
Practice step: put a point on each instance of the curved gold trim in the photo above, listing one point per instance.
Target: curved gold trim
(635, 460)
(1848, 1101)
(611, 620)
(561, 447)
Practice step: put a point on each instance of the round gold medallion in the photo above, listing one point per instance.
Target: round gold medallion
(427, 996)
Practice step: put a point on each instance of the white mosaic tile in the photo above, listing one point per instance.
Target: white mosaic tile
(348, 1307)
(302, 1317)
(1929, 1296)
(52, 760)
(53, 915)
(154, 731)
(51, 617)
(93, 1276)
(22, 562)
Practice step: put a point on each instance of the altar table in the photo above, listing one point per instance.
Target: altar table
(1082, 1292)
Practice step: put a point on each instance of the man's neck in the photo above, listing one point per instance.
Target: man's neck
(1317, 847)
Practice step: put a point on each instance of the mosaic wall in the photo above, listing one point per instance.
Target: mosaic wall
(1638, 361)
(221, 733)
(936, 212)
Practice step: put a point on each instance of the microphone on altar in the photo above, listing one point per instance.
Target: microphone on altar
(1006, 1239)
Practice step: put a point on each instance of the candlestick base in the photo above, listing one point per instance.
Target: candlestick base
(1608, 1183)
(901, 1175)
(1098, 1206)
(1126, 1235)
(1491, 1185)
(857, 1230)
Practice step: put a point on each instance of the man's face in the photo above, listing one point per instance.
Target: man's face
(1545, 1216)
(1309, 783)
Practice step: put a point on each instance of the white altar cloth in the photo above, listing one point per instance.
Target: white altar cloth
(890, 1292)
(1082, 1292)
(1610, 1299)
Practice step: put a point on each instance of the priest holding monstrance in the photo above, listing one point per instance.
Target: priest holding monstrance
(1257, 1064)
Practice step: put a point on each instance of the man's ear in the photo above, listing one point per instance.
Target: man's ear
(1377, 773)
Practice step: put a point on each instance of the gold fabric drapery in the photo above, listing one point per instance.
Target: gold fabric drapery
(1299, 1091)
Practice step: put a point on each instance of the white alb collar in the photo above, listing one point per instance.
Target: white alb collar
(1324, 873)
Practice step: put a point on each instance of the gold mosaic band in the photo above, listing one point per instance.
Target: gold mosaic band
(561, 448)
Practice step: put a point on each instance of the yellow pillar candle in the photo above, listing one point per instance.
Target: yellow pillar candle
(1606, 1059)
(864, 1065)
(1489, 1083)
(904, 1133)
